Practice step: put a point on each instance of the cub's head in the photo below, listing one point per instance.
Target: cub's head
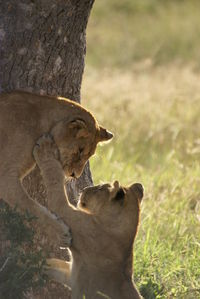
(116, 207)
(76, 140)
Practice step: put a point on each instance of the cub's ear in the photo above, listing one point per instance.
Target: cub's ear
(118, 193)
(119, 196)
(78, 128)
(138, 190)
(104, 135)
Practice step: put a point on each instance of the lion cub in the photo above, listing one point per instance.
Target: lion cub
(24, 117)
(103, 228)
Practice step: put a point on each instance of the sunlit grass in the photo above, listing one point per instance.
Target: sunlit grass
(121, 33)
(154, 114)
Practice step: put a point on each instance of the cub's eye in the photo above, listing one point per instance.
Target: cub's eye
(81, 149)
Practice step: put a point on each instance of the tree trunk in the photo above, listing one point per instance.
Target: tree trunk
(42, 50)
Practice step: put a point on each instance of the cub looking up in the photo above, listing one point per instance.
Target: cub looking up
(103, 229)
(24, 117)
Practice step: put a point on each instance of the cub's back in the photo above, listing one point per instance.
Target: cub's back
(20, 107)
(18, 111)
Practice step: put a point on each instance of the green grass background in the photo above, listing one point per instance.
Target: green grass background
(142, 81)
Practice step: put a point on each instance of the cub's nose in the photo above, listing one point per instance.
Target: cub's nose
(73, 175)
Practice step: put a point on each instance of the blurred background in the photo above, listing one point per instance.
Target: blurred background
(142, 81)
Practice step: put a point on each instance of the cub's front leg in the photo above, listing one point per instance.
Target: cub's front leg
(54, 178)
(45, 154)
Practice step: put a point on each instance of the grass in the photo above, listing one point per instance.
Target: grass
(158, 31)
(142, 82)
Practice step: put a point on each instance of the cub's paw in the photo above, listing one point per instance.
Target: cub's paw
(45, 149)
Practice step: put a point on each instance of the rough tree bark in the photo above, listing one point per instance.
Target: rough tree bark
(42, 50)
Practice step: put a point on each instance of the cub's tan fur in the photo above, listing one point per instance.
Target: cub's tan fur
(103, 228)
(24, 117)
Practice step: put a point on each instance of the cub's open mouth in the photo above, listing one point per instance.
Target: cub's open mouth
(83, 204)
